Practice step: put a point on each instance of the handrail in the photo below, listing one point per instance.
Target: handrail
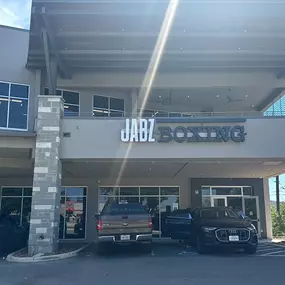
(116, 115)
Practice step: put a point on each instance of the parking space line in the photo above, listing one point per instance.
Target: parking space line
(274, 252)
(265, 249)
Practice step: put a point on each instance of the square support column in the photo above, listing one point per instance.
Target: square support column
(45, 213)
(268, 218)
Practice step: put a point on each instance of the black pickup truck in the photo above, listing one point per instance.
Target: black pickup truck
(212, 227)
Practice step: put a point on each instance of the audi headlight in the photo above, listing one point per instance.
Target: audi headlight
(208, 229)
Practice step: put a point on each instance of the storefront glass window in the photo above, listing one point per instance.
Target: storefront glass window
(14, 101)
(17, 202)
(149, 191)
(73, 213)
(226, 191)
(109, 191)
(206, 191)
(206, 201)
(247, 191)
(158, 201)
(129, 191)
(169, 190)
(71, 101)
(104, 106)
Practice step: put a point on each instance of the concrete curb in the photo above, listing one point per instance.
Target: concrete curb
(40, 257)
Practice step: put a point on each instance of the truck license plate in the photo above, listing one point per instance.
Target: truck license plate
(125, 237)
(233, 238)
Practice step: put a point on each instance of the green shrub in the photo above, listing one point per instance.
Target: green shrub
(278, 221)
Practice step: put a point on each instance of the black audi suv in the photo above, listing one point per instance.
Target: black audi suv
(212, 227)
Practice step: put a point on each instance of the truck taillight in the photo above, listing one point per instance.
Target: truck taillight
(150, 223)
(99, 225)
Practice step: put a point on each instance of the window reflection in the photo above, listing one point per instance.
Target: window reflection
(73, 213)
(14, 105)
(18, 114)
(71, 101)
(17, 201)
(104, 106)
(149, 191)
(158, 201)
(129, 191)
(12, 206)
(75, 217)
(3, 112)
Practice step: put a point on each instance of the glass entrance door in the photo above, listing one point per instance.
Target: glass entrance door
(219, 202)
(251, 210)
(235, 203)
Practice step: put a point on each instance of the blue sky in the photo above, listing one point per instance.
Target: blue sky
(16, 13)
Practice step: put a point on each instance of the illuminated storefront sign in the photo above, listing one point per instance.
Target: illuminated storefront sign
(144, 130)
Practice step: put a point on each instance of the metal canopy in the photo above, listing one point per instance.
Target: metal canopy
(120, 35)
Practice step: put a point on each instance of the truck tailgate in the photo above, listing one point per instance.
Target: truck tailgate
(128, 223)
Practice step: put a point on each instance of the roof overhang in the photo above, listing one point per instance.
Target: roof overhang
(117, 35)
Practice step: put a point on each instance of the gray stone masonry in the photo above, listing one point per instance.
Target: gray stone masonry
(45, 213)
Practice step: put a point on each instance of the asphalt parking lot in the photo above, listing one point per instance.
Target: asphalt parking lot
(170, 264)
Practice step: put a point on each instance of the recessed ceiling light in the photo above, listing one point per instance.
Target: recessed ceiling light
(246, 95)
(245, 31)
(123, 30)
(201, 174)
(188, 96)
(218, 96)
(159, 96)
(150, 169)
(184, 31)
(252, 106)
(123, 48)
(152, 162)
(239, 48)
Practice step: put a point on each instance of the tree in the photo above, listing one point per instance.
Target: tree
(278, 221)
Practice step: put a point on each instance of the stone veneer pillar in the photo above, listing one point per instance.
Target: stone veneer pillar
(45, 213)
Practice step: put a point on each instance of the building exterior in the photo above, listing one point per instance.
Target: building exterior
(84, 120)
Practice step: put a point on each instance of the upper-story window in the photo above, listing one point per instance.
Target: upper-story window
(71, 101)
(14, 102)
(108, 106)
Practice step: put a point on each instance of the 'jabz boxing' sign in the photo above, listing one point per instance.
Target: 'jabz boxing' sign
(143, 130)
